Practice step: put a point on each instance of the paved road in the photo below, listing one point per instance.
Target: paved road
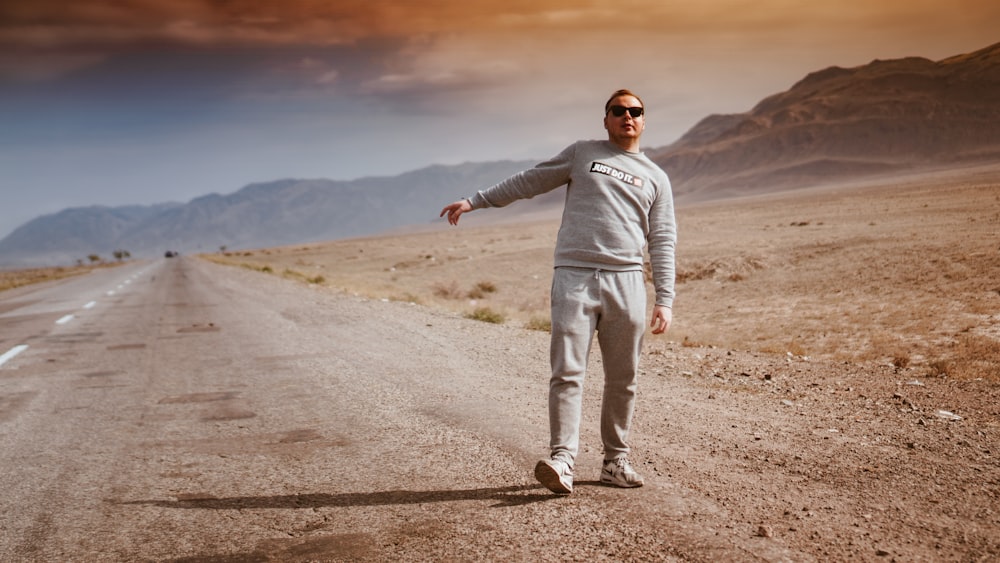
(180, 410)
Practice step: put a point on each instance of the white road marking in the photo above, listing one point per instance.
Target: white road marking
(90, 305)
(65, 320)
(12, 352)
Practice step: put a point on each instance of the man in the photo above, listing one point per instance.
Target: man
(617, 202)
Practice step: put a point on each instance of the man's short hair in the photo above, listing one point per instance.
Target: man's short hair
(622, 92)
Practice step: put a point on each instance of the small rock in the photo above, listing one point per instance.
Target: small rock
(787, 403)
(947, 415)
(881, 553)
(765, 532)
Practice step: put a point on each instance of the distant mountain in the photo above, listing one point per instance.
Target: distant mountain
(263, 214)
(71, 234)
(883, 117)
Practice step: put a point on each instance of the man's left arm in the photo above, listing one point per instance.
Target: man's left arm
(662, 242)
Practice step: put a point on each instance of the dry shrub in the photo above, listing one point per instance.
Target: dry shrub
(796, 349)
(971, 357)
(543, 324)
(295, 274)
(255, 267)
(486, 315)
(699, 272)
(688, 343)
(793, 348)
(18, 278)
(884, 347)
(447, 290)
(734, 269)
(482, 289)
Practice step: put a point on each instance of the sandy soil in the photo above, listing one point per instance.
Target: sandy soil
(10, 279)
(831, 379)
(900, 272)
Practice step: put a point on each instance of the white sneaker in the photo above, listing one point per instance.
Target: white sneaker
(619, 472)
(556, 475)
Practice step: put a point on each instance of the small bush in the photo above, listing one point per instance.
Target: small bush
(539, 323)
(481, 290)
(447, 291)
(256, 268)
(796, 349)
(486, 315)
(689, 343)
(971, 357)
(939, 368)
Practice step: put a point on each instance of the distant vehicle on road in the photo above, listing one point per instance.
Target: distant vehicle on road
(170, 254)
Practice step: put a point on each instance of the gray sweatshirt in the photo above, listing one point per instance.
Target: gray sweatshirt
(616, 203)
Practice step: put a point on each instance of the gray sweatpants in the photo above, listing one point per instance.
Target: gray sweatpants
(613, 304)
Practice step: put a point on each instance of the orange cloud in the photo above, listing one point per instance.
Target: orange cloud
(52, 23)
(449, 42)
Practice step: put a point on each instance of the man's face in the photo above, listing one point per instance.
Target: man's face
(624, 127)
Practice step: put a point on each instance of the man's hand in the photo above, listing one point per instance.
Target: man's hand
(455, 210)
(661, 319)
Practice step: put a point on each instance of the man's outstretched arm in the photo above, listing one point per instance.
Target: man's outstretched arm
(455, 210)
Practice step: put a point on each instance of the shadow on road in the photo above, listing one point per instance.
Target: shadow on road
(507, 496)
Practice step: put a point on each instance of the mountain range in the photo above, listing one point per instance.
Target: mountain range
(837, 123)
(885, 117)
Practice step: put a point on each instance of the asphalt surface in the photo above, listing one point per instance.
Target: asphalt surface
(180, 410)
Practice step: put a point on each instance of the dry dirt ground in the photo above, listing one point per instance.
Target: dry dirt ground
(9, 279)
(831, 378)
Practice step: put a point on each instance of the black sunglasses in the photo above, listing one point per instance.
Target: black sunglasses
(619, 111)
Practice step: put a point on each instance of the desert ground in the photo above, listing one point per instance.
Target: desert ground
(831, 376)
(891, 272)
(829, 392)
(12, 278)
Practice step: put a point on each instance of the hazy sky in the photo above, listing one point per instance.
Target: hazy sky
(117, 102)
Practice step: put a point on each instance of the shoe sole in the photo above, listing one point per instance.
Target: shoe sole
(549, 477)
(613, 483)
